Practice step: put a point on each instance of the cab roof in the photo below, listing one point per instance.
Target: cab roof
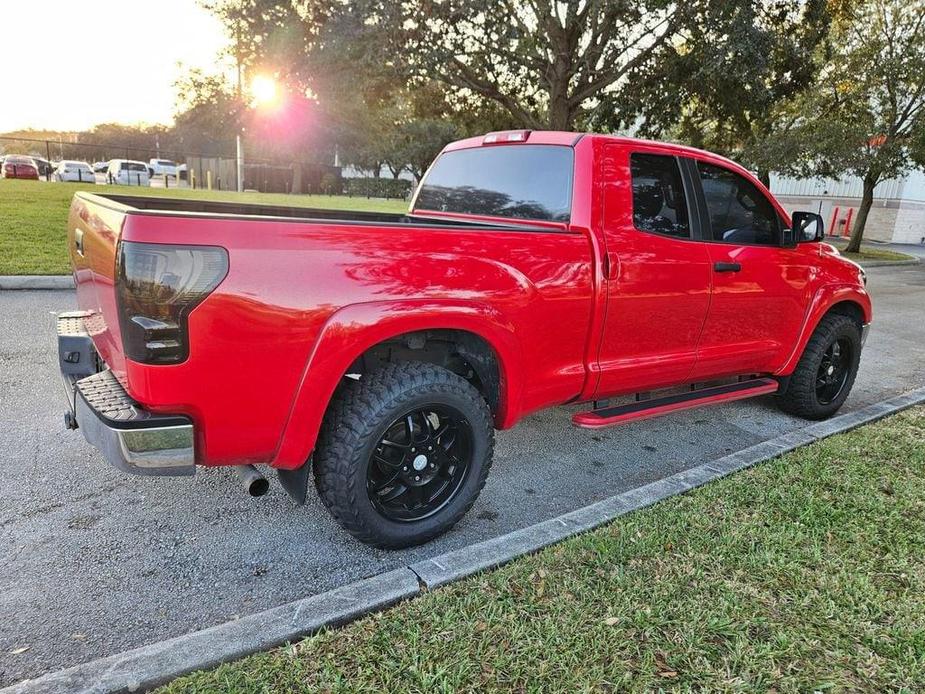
(570, 139)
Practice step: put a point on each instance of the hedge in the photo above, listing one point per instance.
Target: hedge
(377, 187)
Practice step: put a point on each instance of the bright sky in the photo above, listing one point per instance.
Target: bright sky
(68, 65)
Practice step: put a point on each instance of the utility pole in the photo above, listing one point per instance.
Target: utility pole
(240, 155)
(239, 145)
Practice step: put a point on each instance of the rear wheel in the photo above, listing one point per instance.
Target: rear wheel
(825, 373)
(404, 454)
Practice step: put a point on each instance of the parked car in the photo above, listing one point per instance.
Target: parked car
(17, 166)
(100, 167)
(162, 167)
(74, 172)
(379, 352)
(126, 172)
(45, 167)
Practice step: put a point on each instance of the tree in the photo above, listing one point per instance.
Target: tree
(334, 51)
(423, 140)
(208, 113)
(728, 85)
(544, 62)
(867, 116)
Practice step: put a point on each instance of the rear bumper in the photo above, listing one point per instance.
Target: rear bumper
(130, 437)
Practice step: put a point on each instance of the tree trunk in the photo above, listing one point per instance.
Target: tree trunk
(765, 178)
(561, 116)
(867, 201)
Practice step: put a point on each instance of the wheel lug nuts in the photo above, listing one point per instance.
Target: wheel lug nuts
(417, 478)
(405, 468)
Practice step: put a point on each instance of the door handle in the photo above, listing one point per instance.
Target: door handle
(727, 267)
(611, 266)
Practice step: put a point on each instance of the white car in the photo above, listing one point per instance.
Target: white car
(74, 172)
(162, 167)
(100, 166)
(126, 172)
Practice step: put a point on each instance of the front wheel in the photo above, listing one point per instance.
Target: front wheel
(403, 454)
(825, 373)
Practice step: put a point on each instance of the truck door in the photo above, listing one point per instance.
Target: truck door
(657, 272)
(761, 290)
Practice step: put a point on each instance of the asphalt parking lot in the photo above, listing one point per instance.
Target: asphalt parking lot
(95, 562)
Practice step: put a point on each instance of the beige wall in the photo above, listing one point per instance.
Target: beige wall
(910, 223)
(889, 220)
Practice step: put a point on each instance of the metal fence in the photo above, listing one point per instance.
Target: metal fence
(60, 149)
(203, 170)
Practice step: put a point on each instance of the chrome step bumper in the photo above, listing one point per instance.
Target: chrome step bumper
(130, 437)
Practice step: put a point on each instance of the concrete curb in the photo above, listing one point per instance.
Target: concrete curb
(463, 562)
(889, 263)
(150, 666)
(158, 663)
(36, 282)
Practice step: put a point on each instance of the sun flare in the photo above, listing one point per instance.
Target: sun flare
(264, 90)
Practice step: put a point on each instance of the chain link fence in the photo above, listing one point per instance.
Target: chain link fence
(200, 170)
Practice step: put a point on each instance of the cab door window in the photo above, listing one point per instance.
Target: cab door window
(659, 205)
(739, 212)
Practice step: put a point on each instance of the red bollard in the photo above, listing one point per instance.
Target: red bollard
(832, 230)
(848, 222)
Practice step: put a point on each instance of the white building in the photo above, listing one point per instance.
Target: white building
(897, 215)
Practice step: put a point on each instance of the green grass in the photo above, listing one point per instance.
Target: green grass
(871, 253)
(33, 217)
(803, 574)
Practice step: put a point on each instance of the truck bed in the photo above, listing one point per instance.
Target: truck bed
(302, 284)
(140, 204)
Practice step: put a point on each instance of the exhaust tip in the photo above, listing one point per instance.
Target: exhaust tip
(258, 487)
(255, 484)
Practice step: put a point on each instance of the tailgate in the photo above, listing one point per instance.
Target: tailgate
(94, 228)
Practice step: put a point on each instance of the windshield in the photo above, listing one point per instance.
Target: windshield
(517, 181)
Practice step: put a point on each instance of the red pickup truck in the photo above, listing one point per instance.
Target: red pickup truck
(381, 351)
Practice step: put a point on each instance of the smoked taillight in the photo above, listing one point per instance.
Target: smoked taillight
(157, 287)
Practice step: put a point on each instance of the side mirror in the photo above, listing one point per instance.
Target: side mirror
(807, 227)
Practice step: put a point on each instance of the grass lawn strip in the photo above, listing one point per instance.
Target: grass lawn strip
(871, 253)
(33, 217)
(802, 574)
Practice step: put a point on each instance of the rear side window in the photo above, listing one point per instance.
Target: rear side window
(659, 205)
(132, 166)
(739, 212)
(517, 181)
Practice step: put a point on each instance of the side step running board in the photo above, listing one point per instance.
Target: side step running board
(646, 409)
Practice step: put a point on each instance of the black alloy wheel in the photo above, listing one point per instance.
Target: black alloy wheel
(833, 371)
(420, 463)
